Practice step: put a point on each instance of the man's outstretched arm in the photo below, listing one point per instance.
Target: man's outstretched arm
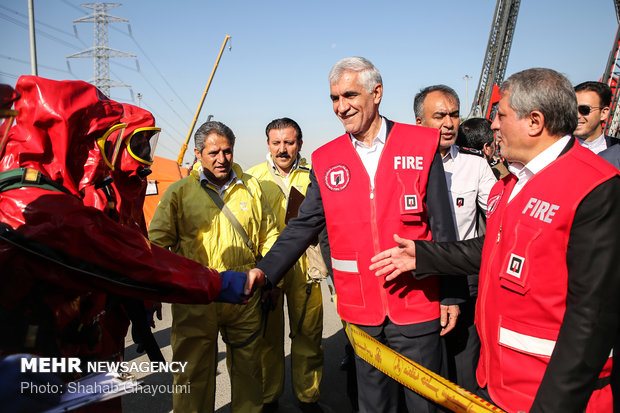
(428, 257)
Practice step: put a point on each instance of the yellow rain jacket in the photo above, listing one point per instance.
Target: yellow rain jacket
(189, 223)
(304, 303)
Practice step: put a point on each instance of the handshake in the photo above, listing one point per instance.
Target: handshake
(237, 287)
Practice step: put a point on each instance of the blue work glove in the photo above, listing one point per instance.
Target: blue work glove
(26, 392)
(233, 283)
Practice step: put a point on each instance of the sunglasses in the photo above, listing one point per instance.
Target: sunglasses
(585, 109)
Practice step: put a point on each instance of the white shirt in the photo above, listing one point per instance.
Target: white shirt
(525, 173)
(370, 156)
(597, 145)
(470, 179)
(232, 178)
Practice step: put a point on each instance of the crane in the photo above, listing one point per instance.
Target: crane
(611, 76)
(496, 58)
(204, 95)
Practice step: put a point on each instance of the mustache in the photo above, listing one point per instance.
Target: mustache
(283, 155)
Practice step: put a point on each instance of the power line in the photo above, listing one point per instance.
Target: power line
(154, 66)
(162, 119)
(9, 75)
(130, 35)
(155, 89)
(74, 6)
(134, 69)
(100, 51)
(43, 66)
(39, 22)
(160, 74)
(164, 132)
(39, 32)
(163, 99)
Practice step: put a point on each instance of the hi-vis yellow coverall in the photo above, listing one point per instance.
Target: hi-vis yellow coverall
(189, 223)
(306, 349)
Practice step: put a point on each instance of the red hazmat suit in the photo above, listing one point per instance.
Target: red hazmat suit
(132, 166)
(54, 250)
(122, 201)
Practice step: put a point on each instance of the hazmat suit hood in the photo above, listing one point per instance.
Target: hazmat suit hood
(8, 95)
(57, 125)
(132, 166)
(139, 134)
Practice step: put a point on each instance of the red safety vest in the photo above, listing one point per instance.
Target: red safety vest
(523, 282)
(361, 223)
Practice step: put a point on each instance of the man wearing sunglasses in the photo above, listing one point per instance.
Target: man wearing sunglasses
(593, 100)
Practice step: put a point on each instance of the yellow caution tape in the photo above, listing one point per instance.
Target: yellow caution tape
(412, 375)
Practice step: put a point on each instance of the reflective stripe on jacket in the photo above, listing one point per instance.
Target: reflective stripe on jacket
(523, 282)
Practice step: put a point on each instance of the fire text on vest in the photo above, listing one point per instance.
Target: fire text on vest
(541, 209)
(409, 162)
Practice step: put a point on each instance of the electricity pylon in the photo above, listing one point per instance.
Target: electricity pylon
(101, 51)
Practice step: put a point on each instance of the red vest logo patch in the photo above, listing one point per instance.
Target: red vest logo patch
(337, 177)
(515, 265)
(493, 203)
(411, 202)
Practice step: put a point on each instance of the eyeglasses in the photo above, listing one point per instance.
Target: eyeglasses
(585, 109)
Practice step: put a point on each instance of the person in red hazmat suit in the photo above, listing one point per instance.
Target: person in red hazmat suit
(55, 251)
(135, 149)
(128, 152)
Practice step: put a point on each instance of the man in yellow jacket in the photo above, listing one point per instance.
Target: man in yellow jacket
(283, 173)
(189, 221)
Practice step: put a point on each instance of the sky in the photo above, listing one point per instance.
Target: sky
(282, 52)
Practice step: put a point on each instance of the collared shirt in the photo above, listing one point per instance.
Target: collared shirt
(370, 156)
(232, 178)
(597, 145)
(470, 179)
(525, 172)
(272, 164)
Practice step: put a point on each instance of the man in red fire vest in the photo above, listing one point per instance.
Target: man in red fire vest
(377, 178)
(547, 311)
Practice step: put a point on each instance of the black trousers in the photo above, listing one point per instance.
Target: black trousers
(379, 393)
(463, 347)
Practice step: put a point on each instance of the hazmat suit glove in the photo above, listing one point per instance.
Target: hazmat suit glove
(232, 289)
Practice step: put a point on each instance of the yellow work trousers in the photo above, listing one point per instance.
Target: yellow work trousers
(306, 348)
(194, 336)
